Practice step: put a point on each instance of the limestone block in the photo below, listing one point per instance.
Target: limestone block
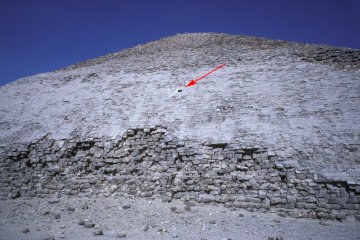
(349, 206)
(291, 199)
(301, 176)
(266, 203)
(340, 216)
(334, 206)
(275, 201)
(247, 157)
(310, 200)
(322, 200)
(310, 206)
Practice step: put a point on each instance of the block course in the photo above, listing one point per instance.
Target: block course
(340, 58)
(147, 162)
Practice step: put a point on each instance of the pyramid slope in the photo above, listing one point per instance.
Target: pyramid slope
(300, 100)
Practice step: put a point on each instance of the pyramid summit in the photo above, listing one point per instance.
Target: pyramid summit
(290, 107)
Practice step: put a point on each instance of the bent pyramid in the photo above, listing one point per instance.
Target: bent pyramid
(293, 102)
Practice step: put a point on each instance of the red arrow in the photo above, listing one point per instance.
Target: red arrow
(192, 82)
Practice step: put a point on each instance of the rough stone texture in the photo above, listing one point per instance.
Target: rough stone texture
(268, 94)
(150, 162)
(276, 129)
(341, 58)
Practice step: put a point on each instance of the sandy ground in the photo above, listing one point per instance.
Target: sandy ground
(129, 218)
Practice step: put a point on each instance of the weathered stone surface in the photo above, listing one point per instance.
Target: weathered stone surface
(98, 232)
(121, 235)
(57, 215)
(244, 182)
(89, 225)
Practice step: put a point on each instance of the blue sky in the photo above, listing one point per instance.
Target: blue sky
(43, 35)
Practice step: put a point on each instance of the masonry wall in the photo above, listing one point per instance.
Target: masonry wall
(148, 162)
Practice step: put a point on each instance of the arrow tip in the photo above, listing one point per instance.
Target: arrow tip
(191, 83)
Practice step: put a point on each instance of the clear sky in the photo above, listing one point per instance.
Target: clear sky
(43, 35)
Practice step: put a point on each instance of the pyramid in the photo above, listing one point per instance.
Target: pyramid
(292, 106)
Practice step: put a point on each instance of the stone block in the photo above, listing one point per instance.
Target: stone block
(310, 206)
(335, 206)
(242, 168)
(340, 216)
(270, 153)
(275, 201)
(279, 166)
(247, 157)
(147, 194)
(310, 200)
(207, 199)
(323, 200)
(265, 206)
(319, 178)
(290, 206)
(340, 201)
(290, 175)
(312, 214)
(296, 214)
(244, 204)
(301, 176)
(349, 206)
(344, 193)
(262, 194)
(235, 204)
(291, 199)
(179, 195)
